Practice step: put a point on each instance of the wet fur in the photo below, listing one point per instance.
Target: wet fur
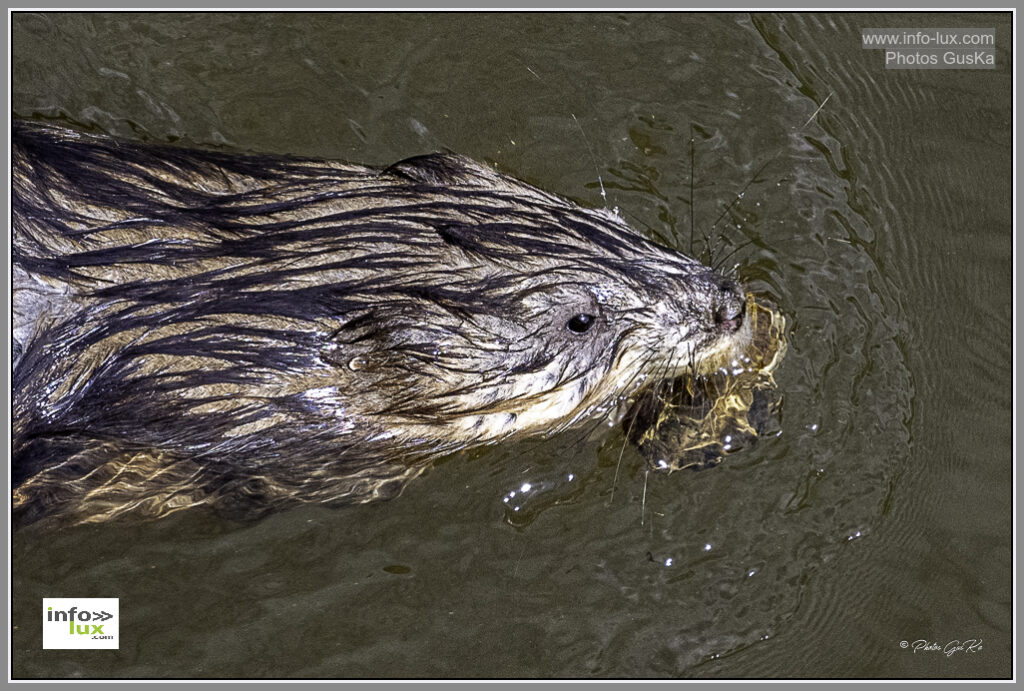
(195, 327)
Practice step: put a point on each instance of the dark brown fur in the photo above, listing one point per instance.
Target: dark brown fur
(193, 327)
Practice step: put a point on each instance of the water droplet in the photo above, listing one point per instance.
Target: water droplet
(357, 363)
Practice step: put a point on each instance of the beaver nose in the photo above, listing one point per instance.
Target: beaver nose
(730, 312)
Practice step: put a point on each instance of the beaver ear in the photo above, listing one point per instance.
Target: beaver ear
(441, 169)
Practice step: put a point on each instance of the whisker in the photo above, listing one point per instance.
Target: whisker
(717, 265)
(628, 432)
(593, 160)
(643, 500)
(742, 192)
(693, 225)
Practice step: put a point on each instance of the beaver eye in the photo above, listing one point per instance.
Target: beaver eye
(580, 323)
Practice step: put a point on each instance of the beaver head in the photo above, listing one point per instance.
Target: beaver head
(503, 310)
(307, 322)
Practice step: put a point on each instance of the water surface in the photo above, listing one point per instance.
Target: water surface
(881, 227)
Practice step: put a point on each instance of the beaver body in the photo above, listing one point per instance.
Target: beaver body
(196, 327)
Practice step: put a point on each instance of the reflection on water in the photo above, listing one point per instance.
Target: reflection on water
(884, 243)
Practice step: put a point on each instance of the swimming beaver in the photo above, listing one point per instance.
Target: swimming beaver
(195, 327)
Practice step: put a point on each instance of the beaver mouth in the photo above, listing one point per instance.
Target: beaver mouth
(731, 315)
(726, 340)
(694, 421)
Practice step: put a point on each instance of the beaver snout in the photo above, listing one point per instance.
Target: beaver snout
(730, 310)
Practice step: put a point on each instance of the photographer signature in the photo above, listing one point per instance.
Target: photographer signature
(971, 645)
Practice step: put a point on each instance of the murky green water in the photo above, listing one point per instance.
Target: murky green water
(882, 228)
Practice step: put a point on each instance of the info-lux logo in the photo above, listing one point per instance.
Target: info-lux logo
(83, 623)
